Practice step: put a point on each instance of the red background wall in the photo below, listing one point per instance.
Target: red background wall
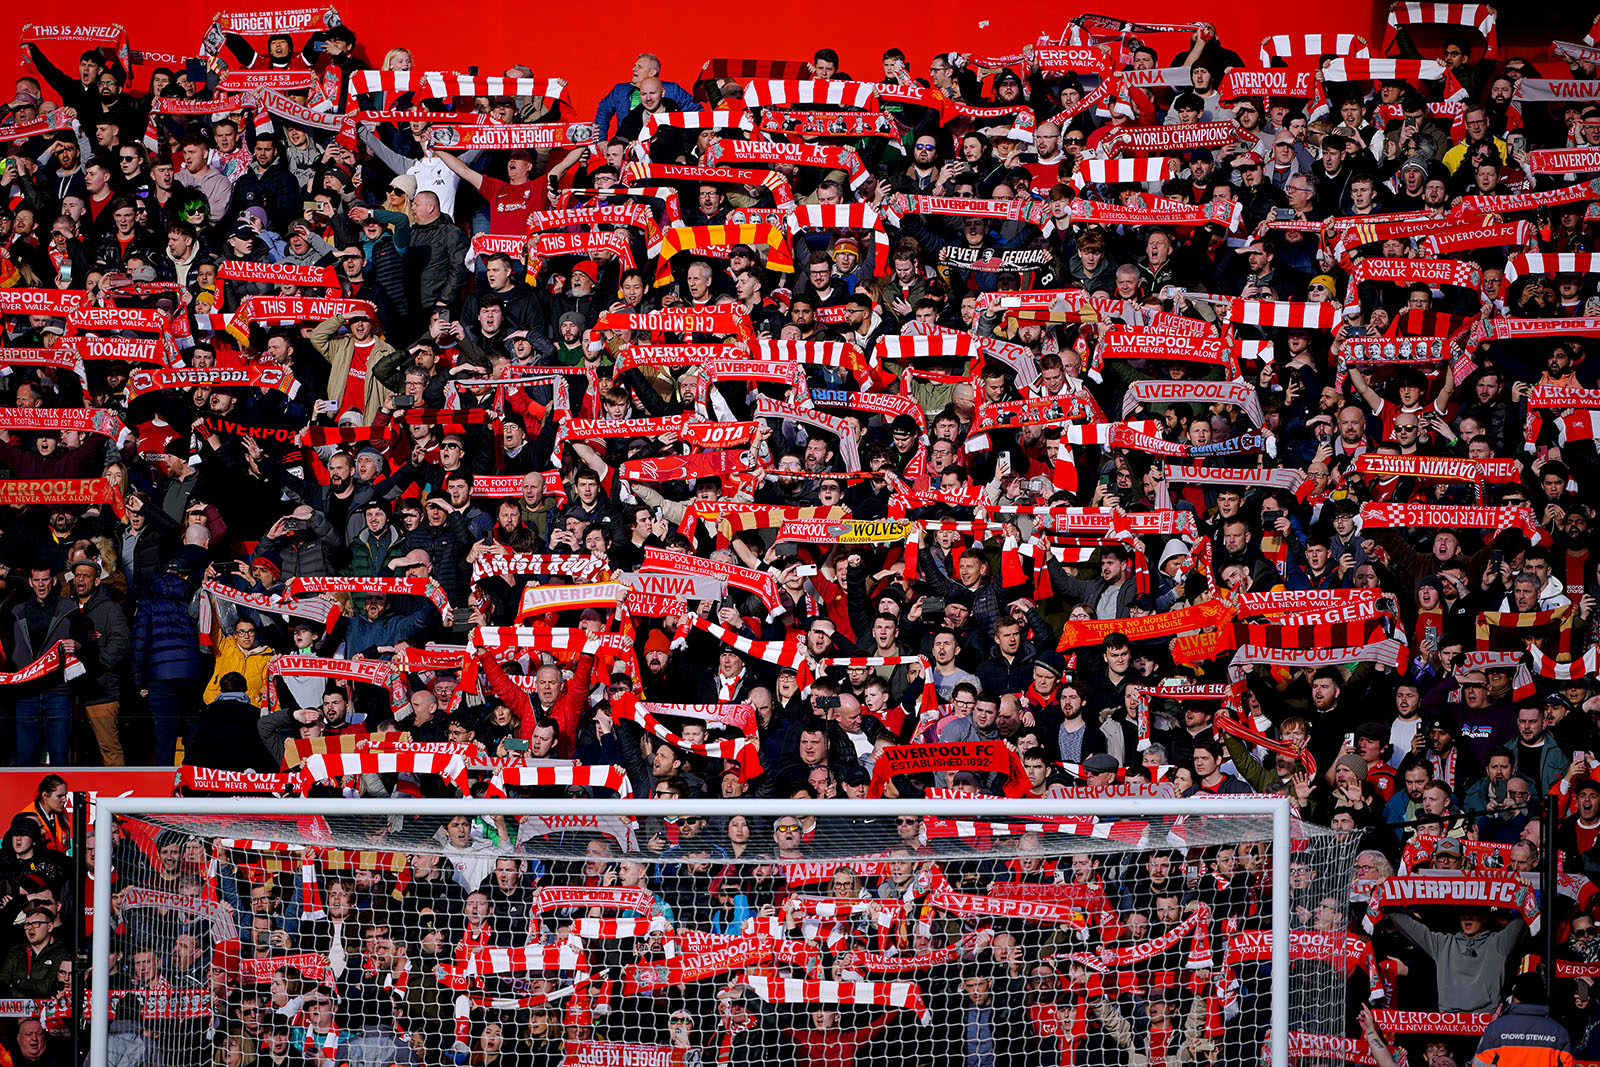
(592, 45)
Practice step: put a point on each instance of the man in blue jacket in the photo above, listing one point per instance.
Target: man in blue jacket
(624, 96)
(1524, 1034)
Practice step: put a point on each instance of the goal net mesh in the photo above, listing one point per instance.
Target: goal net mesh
(666, 941)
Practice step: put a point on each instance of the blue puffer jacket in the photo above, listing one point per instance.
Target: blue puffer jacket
(166, 642)
(619, 101)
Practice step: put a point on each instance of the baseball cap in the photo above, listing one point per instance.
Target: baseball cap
(1449, 847)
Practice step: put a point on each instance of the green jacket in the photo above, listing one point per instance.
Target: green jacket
(370, 555)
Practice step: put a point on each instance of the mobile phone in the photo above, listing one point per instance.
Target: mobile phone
(293, 525)
(1270, 518)
(1283, 214)
(446, 315)
(1496, 559)
(932, 605)
(824, 703)
(1349, 740)
(805, 571)
(402, 400)
(514, 744)
(1355, 331)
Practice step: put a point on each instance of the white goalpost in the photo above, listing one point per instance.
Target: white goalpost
(1204, 823)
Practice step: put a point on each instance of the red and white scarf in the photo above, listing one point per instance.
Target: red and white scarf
(1480, 17)
(772, 93)
(427, 587)
(277, 273)
(799, 153)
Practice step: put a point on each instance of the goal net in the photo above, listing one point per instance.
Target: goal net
(585, 932)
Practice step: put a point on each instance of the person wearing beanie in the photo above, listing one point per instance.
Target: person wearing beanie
(571, 343)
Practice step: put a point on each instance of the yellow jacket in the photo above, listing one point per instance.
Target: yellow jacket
(251, 664)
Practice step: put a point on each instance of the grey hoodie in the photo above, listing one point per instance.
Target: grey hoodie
(1470, 970)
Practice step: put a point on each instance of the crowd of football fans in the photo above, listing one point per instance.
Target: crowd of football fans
(165, 599)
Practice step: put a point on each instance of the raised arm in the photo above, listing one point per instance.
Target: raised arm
(462, 171)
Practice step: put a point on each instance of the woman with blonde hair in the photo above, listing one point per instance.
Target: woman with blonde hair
(396, 59)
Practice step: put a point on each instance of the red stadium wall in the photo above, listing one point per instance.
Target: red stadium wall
(593, 47)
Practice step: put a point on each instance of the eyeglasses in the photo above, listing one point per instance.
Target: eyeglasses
(926, 147)
(450, 444)
(1073, 140)
(906, 820)
(788, 828)
(1453, 53)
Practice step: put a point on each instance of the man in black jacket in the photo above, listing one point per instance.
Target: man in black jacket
(105, 654)
(519, 303)
(435, 259)
(81, 95)
(268, 184)
(44, 705)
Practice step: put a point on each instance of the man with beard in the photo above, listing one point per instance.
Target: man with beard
(667, 677)
(1484, 723)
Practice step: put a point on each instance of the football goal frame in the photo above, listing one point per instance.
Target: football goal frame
(1277, 808)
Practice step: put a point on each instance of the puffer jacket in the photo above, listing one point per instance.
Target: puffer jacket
(370, 553)
(166, 642)
(447, 546)
(109, 652)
